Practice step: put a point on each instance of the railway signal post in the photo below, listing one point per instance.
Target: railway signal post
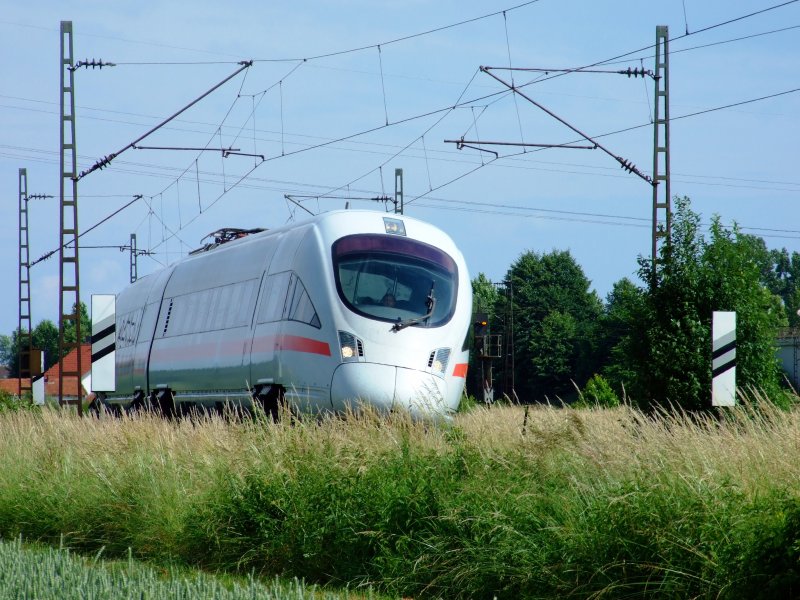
(487, 347)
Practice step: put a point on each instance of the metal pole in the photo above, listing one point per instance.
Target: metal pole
(69, 282)
(398, 191)
(661, 190)
(134, 271)
(24, 341)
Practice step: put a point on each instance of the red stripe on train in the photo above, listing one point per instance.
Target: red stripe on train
(304, 344)
(460, 370)
(295, 343)
(270, 343)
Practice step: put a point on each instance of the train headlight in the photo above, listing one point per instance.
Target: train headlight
(351, 347)
(394, 226)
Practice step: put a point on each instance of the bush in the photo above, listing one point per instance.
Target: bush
(12, 402)
(597, 392)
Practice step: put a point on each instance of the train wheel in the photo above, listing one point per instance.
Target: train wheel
(164, 403)
(139, 403)
(100, 405)
(271, 400)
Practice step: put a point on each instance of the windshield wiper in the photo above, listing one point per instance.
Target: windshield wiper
(430, 304)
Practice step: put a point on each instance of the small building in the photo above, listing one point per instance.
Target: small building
(789, 354)
(12, 385)
(70, 383)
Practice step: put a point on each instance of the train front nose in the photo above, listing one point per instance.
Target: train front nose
(388, 387)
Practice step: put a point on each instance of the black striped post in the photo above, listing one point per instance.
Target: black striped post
(723, 359)
(104, 338)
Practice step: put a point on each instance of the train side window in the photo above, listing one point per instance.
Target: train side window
(187, 314)
(222, 316)
(243, 301)
(301, 309)
(148, 324)
(213, 308)
(272, 306)
(127, 328)
(203, 309)
(238, 302)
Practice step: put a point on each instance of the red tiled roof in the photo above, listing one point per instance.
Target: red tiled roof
(70, 365)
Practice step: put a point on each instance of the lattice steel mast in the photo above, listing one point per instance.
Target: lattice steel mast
(134, 253)
(69, 281)
(662, 216)
(398, 191)
(24, 338)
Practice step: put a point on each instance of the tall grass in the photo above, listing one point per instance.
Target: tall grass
(552, 502)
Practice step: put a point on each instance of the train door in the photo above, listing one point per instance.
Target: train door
(286, 349)
(263, 367)
(265, 371)
(144, 341)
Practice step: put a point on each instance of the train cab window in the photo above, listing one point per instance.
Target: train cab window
(389, 278)
(299, 306)
(275, 289)
(286, 298)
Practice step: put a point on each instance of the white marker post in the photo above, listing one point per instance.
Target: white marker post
(723, 359)
(37, 384)
(104, 338)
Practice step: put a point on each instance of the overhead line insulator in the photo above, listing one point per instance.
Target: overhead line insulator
(94, 64)
(100, 164)
(636, 72)
(632, 168)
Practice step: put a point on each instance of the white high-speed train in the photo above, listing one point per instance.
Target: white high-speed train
(348, 307)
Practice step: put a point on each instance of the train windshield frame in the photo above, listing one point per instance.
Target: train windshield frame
(393, 279)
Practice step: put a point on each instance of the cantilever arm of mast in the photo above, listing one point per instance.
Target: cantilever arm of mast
(293, 201)
(106, 160)
(193, 148)
(462, 143)
(624, 163)
(226, 152)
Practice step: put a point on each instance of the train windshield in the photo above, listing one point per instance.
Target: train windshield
(395, 279)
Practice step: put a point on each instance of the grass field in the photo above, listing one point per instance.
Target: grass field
(46, 573)
(505, 502)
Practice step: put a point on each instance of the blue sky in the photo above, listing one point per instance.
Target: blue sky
(341, 94)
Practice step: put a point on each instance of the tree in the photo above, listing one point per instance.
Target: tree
(43, 337)
(6, 349)
(624, 309)
(484, 294)
(86, 326)
(780, 272)
(666, 345)
(555, 325)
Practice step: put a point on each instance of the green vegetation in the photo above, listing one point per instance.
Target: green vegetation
(668, 343)
(598, 393)
(12, 402)
(56, 573)
(651, 343)
(44, 337)
(555, 317)
(515, 502)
